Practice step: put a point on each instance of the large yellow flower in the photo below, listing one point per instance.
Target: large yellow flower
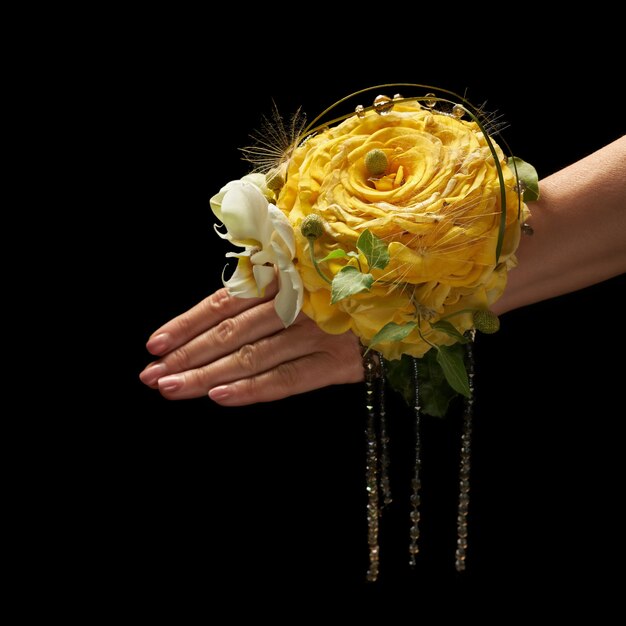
(437, 206)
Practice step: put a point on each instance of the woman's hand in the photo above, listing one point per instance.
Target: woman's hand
(238, 352)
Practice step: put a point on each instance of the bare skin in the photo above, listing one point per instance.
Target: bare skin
(580, 231)
(238, 352)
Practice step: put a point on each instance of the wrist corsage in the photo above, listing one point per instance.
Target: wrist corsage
(398, 221)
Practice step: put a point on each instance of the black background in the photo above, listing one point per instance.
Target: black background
(206, 501)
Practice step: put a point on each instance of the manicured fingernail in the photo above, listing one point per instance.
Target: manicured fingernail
(159, 344)
(152, 373)
(220, 393)
(171, 383)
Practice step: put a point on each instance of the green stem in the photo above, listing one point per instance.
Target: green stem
(314, 260)
(419, 332)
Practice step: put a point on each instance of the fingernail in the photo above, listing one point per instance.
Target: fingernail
(219, 393)
(159, 344)
(171, 383)
(152, 373)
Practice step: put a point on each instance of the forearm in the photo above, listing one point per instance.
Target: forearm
(579, 231)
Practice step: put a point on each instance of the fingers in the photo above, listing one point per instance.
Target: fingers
(313, 371)
(222, 339)
(238, 352)
(211, 311)
(297, 359)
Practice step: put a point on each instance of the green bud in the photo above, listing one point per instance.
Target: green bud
(376, 162)
(274, 180)
(312, 226)
(486, 321)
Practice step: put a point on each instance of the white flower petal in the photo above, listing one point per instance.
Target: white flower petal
(242, 284)
(269, 241)
(225, 235)
(216, 200)
(279, 254)
(259, 181)
(282, 228)
(264, 275)
(240, 255)
(288, 300)
(245, 215)
(262, 257)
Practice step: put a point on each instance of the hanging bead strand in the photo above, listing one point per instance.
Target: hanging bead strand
(416, 483)
(371, 467)
(464, 476)
(385, 486)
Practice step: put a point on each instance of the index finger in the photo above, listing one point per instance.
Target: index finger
(204, 315)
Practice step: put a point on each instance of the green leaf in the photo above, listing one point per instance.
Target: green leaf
(392, 332)
(374, 250)
(435, 392)
(453, 368)
(449, 329)
(528, 175)
(335, 254)
(399, 374)
(349, 281)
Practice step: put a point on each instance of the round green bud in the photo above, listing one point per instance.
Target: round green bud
(486, 321)
(274, 180)
(376, 162)
(312, 226)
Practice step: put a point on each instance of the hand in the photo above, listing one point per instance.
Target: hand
(238, 352)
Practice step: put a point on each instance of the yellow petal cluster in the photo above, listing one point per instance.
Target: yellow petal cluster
(437, 206)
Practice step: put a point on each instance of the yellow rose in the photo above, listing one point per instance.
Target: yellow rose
(436, 205)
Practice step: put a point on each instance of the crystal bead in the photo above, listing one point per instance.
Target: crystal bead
(360, 110)
(383, 105)
(458, 111)
(430, 101)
